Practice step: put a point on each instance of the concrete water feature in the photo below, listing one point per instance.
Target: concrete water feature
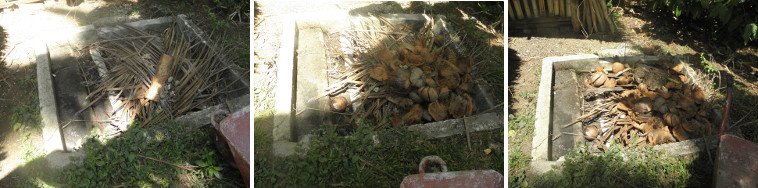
(558, 103)
(62, 92)
(302, 74)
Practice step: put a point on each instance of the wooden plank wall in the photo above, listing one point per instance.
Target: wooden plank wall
(590, 15)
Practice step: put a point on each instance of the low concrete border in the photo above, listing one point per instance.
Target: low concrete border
(52, 137)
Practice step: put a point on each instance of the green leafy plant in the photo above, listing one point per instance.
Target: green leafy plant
(25, 115)
(730, 14)
(209, 166)
(707, 65)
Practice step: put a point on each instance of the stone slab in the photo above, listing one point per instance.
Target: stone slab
(476, 123)
(283, 118)
(52, 137)
(311, 81)
(566, 108)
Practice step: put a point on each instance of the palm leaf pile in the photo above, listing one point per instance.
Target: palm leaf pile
(158, 76)
(401, 76)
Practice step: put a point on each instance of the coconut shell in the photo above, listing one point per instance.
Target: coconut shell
(400, 79)
(629, 93)
(438, 111)
(643, 106)
(687, 126)
(438, 40)
(430, 82)
(610, 83)
(680, 134)
(660, 136)
(698, 95)
(598, 79)
(396, 120)
(414, 115)
(458, 107)
(683, 78)
(590, 132)
(428, 94)
(678, 68)
(415, 77)
(617, 67)
(671, 119)
(379, 73)
(444, 93)
(411, 58)
(339, 103)
(400, 101)
(670, 85)
(415, 97)
(623, 80)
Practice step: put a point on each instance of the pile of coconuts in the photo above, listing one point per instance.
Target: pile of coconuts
(663, 105)
(419, 80)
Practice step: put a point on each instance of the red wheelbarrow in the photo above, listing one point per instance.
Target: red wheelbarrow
(475, 178)
(235, 131)
(737, 158)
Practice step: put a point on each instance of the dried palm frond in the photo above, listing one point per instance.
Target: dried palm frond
(131, 55)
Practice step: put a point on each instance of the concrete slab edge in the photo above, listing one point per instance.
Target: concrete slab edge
(52, 137)
(284, 89)
(476, 123)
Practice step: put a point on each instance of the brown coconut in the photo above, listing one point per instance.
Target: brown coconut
(339, 103)
(597, 79)
(590, 132)
(698, 95)
(400, 101)
(617, 67)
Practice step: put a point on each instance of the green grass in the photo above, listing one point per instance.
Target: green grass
(355, 160)
(630, 168)
(124, 161)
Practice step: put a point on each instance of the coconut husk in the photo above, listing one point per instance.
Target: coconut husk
(414, 115)
(438, 40)
(660, 136)
(683, 78)
(464, 64)
(680, 134)
(610, 83)
(400, 101)
(379, 73)
(411, 58)
(672, 119)
(400, 79)
(396, 120)
(385, 55)
(678, 68)
(438, 111)
(699, 95)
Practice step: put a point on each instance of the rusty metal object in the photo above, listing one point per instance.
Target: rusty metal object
(473, 178)
(235, 129)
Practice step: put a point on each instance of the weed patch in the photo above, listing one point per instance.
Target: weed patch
(131, 160)
(355, 160)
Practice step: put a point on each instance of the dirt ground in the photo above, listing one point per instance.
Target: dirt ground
(641, 30)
